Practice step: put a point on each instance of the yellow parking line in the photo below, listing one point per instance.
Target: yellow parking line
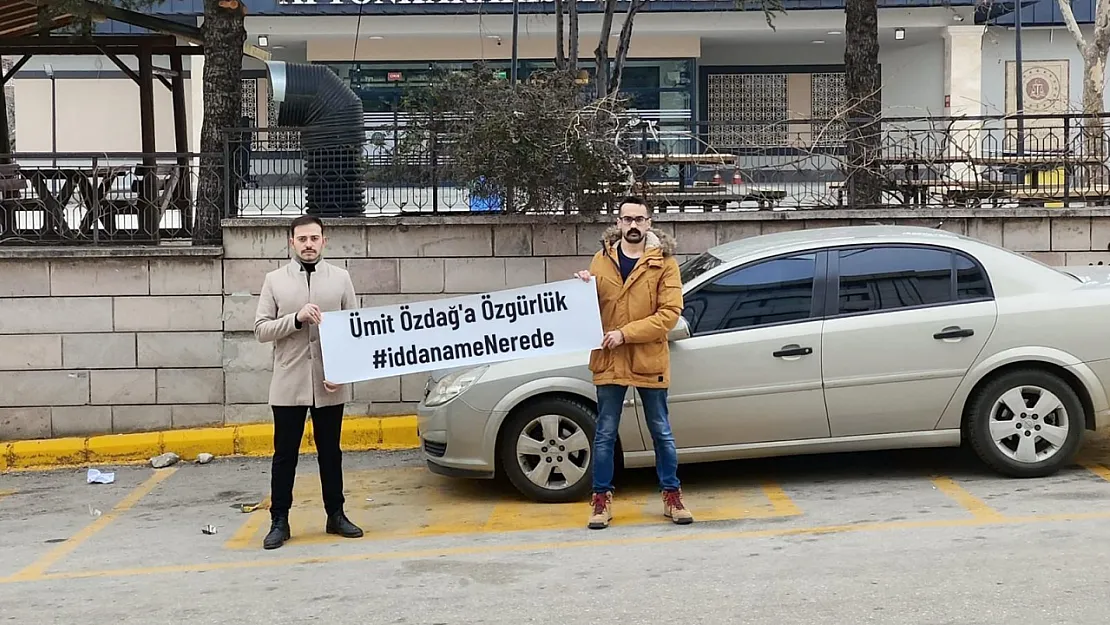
(7, 493)
(666, 537)
(1098, 470)
(781, 503)
(243, 536)
(525, 516)
(971, 503)
(40, 566)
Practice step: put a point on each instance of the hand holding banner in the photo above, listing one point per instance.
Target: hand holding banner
(470, 330)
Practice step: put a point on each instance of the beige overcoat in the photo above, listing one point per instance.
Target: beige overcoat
(298, 378)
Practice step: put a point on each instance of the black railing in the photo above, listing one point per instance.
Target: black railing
(936, 162)
(793, 164)
(92, 199)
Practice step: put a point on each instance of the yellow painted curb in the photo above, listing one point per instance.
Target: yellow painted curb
(255, 439)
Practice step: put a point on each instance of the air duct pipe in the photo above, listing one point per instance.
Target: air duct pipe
(329, 114)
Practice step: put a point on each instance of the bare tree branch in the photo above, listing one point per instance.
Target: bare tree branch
(560, 39)
(572, 41)
(1102, 25)
(601, 53)
(623, 44)
(1073, 26)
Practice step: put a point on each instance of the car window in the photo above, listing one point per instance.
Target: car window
(773, 291)
(697, 265)
(971, 282)
(887, 278)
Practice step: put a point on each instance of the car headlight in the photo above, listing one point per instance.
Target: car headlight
(451, 386)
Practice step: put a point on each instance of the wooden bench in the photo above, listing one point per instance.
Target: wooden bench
(12, 186)
(765, 198)
(11, 183)
(166, 181)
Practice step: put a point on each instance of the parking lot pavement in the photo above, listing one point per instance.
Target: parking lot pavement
(924, 536)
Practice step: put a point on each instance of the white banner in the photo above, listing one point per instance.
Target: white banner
(388, 341)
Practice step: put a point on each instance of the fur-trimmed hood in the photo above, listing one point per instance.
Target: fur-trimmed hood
(655, 239)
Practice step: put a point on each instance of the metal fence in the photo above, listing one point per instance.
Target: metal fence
(91, 199)
(797, 164)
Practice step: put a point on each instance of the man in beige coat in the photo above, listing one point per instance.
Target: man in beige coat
(289, 313)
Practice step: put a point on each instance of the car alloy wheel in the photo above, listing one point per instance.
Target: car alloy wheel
(543, 471)
(1025, 423)
(553, 452)
(1029, 424)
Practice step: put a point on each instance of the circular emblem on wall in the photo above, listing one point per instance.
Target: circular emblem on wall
(1042, 89)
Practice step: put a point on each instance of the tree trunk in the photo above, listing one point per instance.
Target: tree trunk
(623, 43)
(601, 53)
(864, 101)
(1093, 84)
(7, 114)
(572, 41)
(560, 39)
(224, 36)
(1094, 141)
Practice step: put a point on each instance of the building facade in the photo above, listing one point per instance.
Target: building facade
(690, 61)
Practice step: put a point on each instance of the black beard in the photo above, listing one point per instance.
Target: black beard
(633, 236)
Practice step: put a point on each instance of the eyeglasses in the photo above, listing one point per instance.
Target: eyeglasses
(637, 220)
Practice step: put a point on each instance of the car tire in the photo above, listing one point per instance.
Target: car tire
(990, 405)
(576, 422)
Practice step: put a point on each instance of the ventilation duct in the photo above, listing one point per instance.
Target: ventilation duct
(329, 115)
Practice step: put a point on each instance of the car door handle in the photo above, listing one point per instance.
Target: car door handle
(953, 333)
(792, 350)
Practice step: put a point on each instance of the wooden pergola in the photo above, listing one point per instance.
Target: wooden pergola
(24, 33)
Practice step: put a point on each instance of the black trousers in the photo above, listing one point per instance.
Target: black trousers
(327, 424)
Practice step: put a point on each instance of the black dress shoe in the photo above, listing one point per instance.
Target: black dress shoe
(279, 533)
(338, 523)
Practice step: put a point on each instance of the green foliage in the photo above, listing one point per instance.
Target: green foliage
(542, 145)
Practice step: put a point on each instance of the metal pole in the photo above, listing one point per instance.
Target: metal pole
(54, 119)
(516, 27)
(1019, 100)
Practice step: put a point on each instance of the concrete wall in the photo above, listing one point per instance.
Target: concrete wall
(110, 340)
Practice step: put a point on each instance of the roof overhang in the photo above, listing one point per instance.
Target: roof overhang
(20, 18)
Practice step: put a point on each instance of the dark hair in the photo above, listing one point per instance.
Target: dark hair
(304, 220)
(633, 199)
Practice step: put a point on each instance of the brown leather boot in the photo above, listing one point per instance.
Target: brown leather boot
(674, 509)
(602, 504)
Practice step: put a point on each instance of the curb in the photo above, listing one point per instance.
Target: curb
(250, 440)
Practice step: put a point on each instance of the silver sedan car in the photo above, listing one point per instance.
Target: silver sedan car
(824, 340)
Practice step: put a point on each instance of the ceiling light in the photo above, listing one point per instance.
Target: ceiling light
(263, 41)
(899, 33)
(376, 37)
(834, 32)
(818, 41)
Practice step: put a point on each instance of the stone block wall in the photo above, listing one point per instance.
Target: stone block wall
(123, 340)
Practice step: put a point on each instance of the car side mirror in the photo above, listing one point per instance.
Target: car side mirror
(681, 330)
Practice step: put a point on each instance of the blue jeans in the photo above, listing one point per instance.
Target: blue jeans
(610, 403)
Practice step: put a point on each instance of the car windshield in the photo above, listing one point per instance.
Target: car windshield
(698, 265)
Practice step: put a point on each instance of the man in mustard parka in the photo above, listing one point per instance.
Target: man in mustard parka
(639, 291)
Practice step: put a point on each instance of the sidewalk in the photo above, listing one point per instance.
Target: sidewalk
(359, 434)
